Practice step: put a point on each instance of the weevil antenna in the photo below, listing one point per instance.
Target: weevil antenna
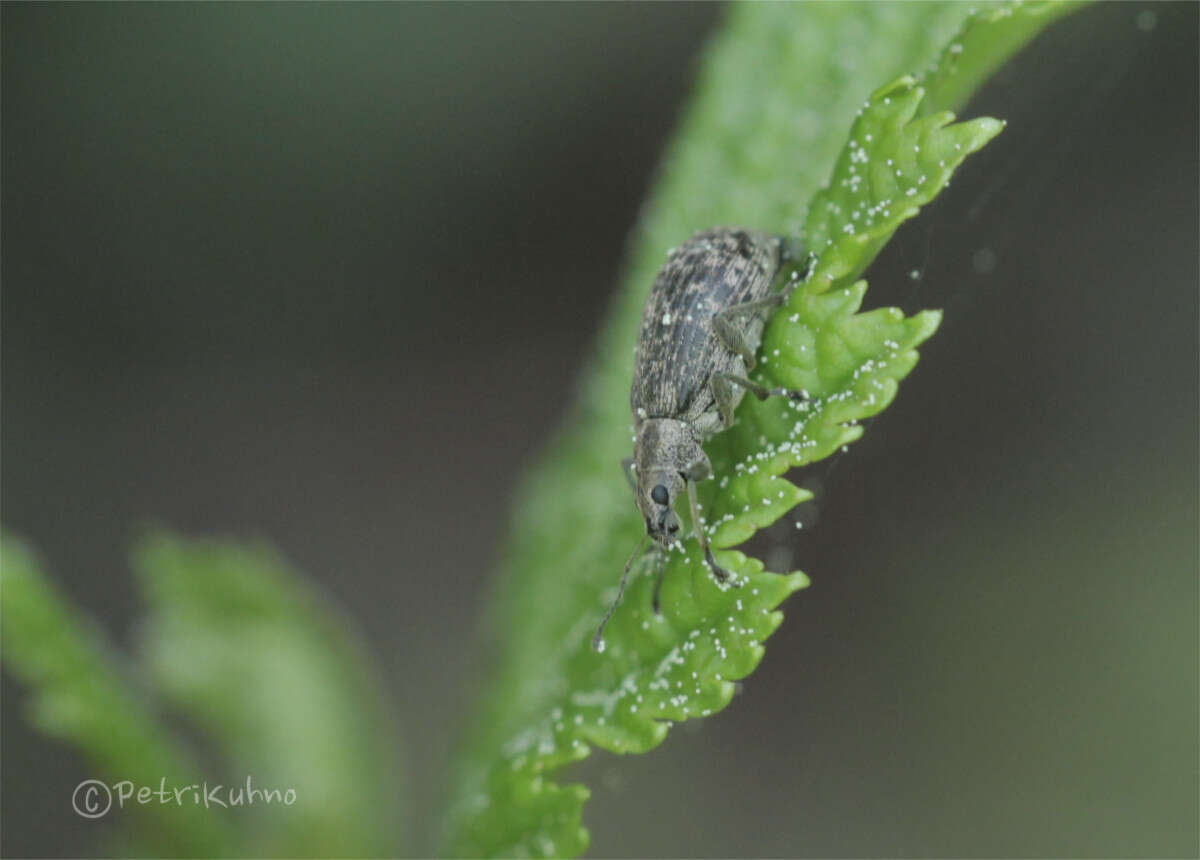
(598, 639)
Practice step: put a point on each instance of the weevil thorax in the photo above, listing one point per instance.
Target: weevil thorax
(664, 449)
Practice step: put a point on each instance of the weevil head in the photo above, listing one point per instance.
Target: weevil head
(657, 492)
(664, 450)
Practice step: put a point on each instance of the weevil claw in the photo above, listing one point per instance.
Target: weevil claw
(722, 575)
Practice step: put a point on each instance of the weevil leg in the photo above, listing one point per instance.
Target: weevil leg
(700, 470)
(724, 383)
(793, 250)
(628, 465)
(808, 262)
(731, 336)
(720, 573)
(726, 397)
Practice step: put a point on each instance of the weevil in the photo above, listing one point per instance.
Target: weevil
(700, 329)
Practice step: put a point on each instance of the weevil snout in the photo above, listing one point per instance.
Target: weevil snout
(664, 529)
(657, 492)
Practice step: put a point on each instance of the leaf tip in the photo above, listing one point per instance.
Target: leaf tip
(926, 322)
(990, 126)
(899, 85)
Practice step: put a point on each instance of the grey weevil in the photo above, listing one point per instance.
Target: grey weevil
(701, 326)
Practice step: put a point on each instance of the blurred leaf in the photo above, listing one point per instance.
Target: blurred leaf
(81, 695)
(244, 649)
(777, 87)
(238, 643)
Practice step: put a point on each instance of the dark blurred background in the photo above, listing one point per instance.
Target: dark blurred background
(325, 274)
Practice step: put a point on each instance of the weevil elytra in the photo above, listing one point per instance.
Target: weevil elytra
(701, 326)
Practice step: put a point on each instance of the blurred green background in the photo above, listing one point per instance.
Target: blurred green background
(325, 274)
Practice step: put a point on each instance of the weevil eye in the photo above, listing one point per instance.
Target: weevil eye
(659, 495)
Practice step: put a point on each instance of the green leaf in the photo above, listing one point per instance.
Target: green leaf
(891, 166)
(777, 88)
(987, 40)
(242, 646)
(83, 695)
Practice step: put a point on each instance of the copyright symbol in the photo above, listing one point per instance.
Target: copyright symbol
(91, 799)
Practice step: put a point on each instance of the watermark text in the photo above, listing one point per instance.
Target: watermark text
(94, 798)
